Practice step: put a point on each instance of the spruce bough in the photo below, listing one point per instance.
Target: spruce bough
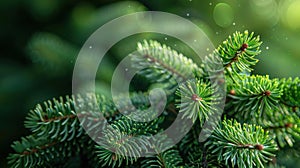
(260, 119)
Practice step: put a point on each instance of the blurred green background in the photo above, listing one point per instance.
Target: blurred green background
(40, 40)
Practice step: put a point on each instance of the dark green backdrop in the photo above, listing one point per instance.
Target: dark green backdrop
(41, 38)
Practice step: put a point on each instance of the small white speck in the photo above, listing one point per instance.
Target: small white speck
(217, 32)
(210, 4)
(90, 47)
(175, 45)
(207, 49)
(166, 38)
(233, 23)
(187, 14)
(126, 69)
(267, 48)
(195, 40)
(190, 0)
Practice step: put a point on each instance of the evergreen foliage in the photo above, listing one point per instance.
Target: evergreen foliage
(196, 100)
(33, 151)
(244, 146)
(159, 63)
(260, 121)
(253, 95)
(51, 52)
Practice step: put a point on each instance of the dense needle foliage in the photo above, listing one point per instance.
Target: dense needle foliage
(260, 119)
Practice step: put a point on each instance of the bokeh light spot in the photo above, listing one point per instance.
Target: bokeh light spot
(265, 10)
(293, 15)
(223, 15)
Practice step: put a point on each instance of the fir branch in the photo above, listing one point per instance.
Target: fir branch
(202, 158)
(256, 100)
(51, 52)
(196, 100)
(58, 119)
(241, 145)
(167, 159)
(160, 63)
(33, 151)
(119, 138)
(291, 92)
(286, 128)
(193, 152)
(238, 52)
(252, 96)
(190, 140)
